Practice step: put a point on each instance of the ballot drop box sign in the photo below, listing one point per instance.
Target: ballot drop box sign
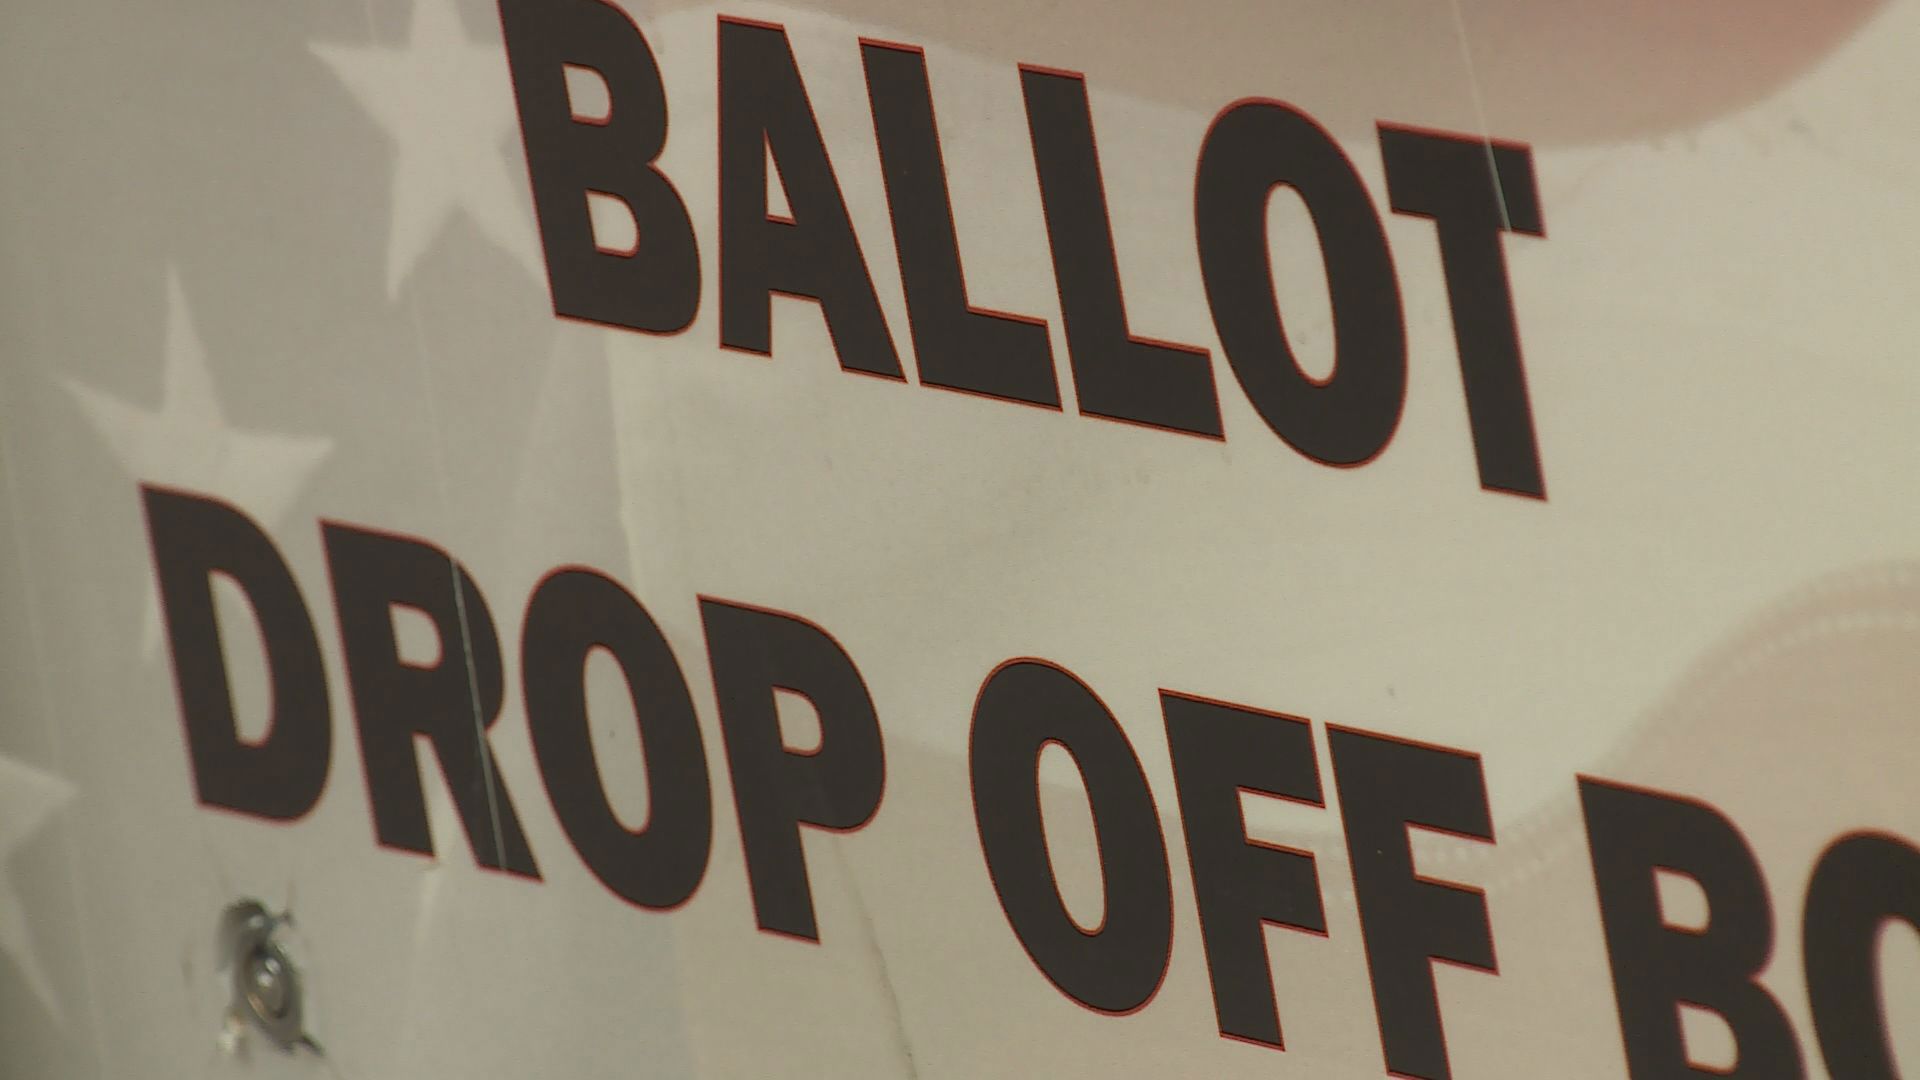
(868, 539)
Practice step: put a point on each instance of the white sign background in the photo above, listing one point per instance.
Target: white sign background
(287, 259)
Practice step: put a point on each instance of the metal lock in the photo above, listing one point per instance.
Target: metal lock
(266, 983)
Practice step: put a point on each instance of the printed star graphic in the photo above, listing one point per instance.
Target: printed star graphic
(447, 103)
(188, 443)
(28, 796)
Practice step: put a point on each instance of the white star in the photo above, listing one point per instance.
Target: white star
(28, 797)
(188, 443)
(447, 103)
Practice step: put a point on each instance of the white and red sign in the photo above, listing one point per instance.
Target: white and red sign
(874, 540)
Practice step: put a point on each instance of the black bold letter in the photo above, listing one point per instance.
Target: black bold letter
(1861, 882)
(764, 109)
(1632, 833)
(1220, 750)
(955, 344)
(1409, 921)
(282, 775)
(1475, 189)
(573, 612)
(1251, 148)
(1023, 706)
(777, 788)
(1115, 374)
(451, 703)
(656, 286)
